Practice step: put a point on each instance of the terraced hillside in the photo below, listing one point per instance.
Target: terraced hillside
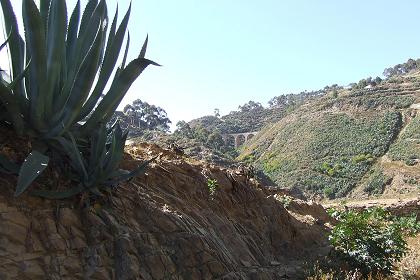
(337, 143)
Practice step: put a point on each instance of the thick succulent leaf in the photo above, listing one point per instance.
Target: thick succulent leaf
(119, 88)
(116, 150)
(122, 74)
(35, 42)
(104, 26)
(83, 81)
(19, 78)
(12, 106)
(111, 56)
(87, 36)
(56, 43)
(72, 32)
(73, 152)
(32, 167)
(16, 45)
(5, 42)
(4, 171)
(95, 191)
(98, 148)
(127, 45)
(87, 14)
(8, 166)
(112, 29)
(74, 60)
(112, 127)
(58, 194)
(44, 7)
(111, 147)
(141, 169)
(144, 47)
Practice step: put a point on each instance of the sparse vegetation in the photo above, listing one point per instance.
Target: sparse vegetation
(212, 185)
(406, 148)
(285, 200)
(372, 240)
(377, 182)
(327, 155)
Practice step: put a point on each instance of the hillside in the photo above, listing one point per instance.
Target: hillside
(346, 140)
(336, 142)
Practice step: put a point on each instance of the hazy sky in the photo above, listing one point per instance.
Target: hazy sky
(223, 53)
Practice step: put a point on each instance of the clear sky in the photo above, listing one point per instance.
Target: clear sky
(223, 53)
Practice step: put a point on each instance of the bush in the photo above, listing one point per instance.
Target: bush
(405, 148)
(212, 185)
(409, 224)
(372, 240)
(377, 183)
(285, 200)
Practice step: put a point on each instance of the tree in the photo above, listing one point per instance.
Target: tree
(251, 105)
(183, 128)
(216, 112)
(403, 68)
(201, 134)
(215, 140)
(378, 80)
(142, 115)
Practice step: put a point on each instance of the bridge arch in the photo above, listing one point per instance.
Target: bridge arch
(239, 138)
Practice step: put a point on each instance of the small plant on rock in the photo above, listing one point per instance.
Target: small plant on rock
(212, 185)
(285, 200)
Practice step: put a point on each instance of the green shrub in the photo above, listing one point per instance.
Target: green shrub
(362, 157)
(212, 185)
(330, 170)
(411, 160)
(411, 181)
(377, 182)
(409, 224)
(285, 200)
(371, 240)
(56, 97)
(329, 192)
(406, 147)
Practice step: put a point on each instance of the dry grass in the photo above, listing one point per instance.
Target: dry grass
(409, 267)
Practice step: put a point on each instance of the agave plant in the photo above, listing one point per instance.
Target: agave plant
(58, 76)
(95, 167)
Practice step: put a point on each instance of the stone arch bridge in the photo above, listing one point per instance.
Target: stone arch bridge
(239, 138)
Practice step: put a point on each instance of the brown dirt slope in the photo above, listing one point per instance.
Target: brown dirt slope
(162, 225)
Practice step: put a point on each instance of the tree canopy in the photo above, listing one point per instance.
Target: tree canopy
(141, 116)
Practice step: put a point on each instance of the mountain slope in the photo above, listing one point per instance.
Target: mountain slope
(329, 145)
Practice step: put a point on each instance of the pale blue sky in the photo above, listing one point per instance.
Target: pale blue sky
(223, 53)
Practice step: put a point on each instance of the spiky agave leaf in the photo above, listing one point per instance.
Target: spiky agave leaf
(123, 175)
(58, 194)
(33, 166)
(16, 44)
(35, 44)
(55, 44)
(110, 59)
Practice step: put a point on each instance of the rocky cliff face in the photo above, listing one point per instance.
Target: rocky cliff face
(162, 225)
